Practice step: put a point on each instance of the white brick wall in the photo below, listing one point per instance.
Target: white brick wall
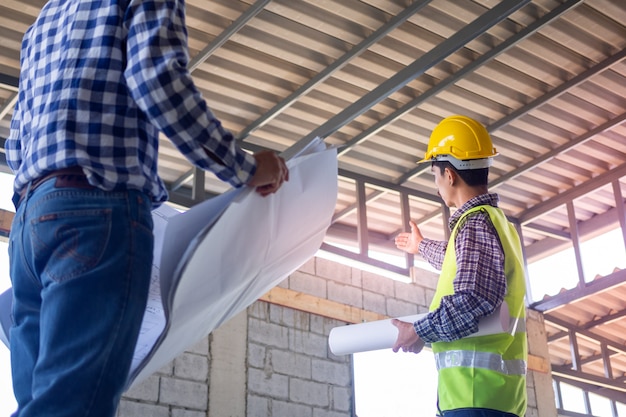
(283, 357)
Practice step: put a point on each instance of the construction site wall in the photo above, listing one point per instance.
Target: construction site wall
(273, 358)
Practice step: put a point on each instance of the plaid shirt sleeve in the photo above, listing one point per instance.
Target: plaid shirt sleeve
(433, 251)
(479, 285)
(99, 82)
(13, 146)
(162, 87)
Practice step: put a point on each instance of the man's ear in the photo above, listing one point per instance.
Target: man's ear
(451, 176)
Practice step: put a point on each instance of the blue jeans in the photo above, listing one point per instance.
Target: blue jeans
(80, 265)
(476, 412)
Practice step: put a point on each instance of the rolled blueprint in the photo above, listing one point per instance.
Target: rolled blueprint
(382, 334)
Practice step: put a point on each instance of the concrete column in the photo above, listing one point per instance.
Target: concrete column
(540, 390)
(227, 374)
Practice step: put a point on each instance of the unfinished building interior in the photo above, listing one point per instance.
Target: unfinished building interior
(373, 77)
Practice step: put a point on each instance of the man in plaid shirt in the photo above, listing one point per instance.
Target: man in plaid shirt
(481, 268)
(99, 81)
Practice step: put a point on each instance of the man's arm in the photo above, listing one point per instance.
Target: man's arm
(479, 285)
(161, 84)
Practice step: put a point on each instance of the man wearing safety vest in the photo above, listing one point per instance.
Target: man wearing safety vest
(481, 267)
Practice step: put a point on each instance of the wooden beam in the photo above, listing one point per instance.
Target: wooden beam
(320, 306)
(6, 218)
(538, 364)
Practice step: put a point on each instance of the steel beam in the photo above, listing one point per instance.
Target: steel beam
(362, 229)
(611, 394)
(181, 180)
(198, 193)
(566, 297)
(406, 217)
(548, 231)
(354, 52)
(608, 125)
(409, 73)
(566, 373)
(620, 205)
(573, 228)
(223, 37)
(8, 105)
(451, 80)
(9, 82)
(595, 226)
(580, 190)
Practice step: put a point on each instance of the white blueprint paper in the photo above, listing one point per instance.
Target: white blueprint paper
(174, 234)
(382, 334)
(222, 255)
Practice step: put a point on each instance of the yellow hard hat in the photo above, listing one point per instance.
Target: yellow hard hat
(461, 140)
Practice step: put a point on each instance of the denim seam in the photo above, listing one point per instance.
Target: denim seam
(119, 321)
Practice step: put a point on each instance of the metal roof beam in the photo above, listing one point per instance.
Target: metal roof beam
(566, 373)
(502, 47)
(595, 226)
(9, 82)
(591, 387)
(615, 347)
(391, 187)
(439, 53)
(364, 258)
(362, 237)
(548, 231)
(183, 196)
(221, 39)
(537, 210)
(354, 52)
(566, 297)
(8, 105)
(573, 193)
(608, 125)
(472, 66)
(573, 227)
(181, 180)
(621, 208)
(561, 89)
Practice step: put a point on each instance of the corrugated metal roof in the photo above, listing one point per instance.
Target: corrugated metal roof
(547, 78)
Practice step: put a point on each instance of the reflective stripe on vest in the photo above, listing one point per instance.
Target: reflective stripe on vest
(484, 360)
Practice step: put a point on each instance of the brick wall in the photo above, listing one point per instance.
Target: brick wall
(272, 360)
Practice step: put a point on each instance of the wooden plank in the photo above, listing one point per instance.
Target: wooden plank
(538, 364)
(6, 218)
(319, 306)
(338, 311)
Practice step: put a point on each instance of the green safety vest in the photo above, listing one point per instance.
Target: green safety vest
(486, 371)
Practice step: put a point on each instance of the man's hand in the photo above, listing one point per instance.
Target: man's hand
(407, 339)
(271, 172)
(410, 242)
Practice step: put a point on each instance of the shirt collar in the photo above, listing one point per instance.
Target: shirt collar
(490, 199)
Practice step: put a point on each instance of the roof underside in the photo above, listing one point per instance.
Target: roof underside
(547, 78)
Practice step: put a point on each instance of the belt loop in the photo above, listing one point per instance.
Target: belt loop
(16, 200)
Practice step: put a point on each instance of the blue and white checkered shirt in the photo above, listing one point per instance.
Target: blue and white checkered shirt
(99, 80)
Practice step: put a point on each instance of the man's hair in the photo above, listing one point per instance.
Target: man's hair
(472, 177)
